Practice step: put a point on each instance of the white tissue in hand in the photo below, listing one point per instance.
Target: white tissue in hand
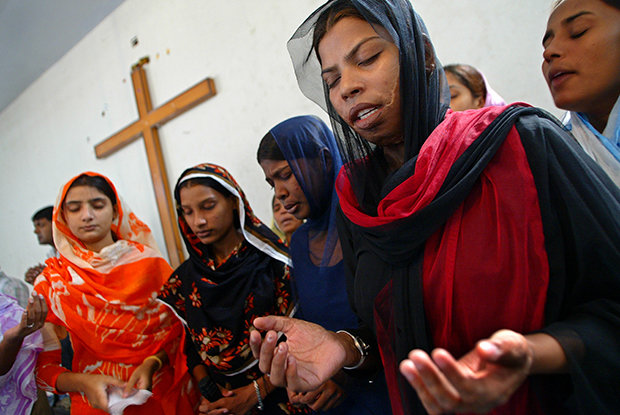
(117, 404)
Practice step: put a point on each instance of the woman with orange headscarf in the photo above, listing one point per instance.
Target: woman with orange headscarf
(103, 289)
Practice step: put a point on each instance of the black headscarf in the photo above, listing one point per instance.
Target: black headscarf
(423, 89)
(579, 208)
(219, 302)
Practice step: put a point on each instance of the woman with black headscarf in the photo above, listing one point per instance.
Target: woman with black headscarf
(485, 236)
(237, 270)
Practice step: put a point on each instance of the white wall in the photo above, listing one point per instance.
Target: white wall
(47, 135)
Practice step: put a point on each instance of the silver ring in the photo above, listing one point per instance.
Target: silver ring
(29, 326)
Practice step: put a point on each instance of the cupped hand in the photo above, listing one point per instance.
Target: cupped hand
(308, 358)
(327, 396)
(481, 380)
(237, 401)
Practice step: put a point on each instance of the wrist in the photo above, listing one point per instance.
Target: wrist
(266, 386)
(153, 363)
(13, 336)
(353, 354)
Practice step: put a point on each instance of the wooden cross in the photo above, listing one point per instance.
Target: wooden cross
(146, 126)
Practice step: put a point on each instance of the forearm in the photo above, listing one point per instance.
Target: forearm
(548, 355)
(199, 372)
(9, 348)
(71, 382)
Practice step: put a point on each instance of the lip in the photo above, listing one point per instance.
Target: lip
(203, 234)
(557, 77)
(286, 221)
(291, 207)
(370, 112)
(89, 228)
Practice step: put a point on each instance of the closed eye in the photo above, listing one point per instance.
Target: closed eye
(578, 35)
(332, 82)
(370, 60)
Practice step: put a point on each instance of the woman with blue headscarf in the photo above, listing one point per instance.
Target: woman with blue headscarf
(301, 161)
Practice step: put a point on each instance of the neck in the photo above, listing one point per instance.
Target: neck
(222, 248)
(599, 115)
(99, 245)
(598, 121)
(394, 155)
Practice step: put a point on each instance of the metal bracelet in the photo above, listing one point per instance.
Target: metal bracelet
(260, 404)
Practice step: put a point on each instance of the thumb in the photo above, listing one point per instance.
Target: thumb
(505, 348)
(227, 393)
(276, 323)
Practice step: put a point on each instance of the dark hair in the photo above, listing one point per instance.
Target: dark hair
(268, 149)
(338, 11)
(612, 3)
(98, 183)
(45, 213)
(469, 77)
(207, 182)
(202, 181)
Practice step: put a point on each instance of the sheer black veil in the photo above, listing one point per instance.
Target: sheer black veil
(424, 93)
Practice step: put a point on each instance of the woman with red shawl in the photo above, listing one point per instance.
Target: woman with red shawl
(482, 247)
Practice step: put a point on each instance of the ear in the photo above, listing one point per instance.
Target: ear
(325, 154)
(479, 102)
(114, 212)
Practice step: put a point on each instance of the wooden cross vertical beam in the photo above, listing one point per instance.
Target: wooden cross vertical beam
(146, 126)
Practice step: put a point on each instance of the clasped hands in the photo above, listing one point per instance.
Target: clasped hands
(482, 379)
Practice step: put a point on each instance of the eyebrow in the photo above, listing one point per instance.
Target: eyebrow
(349, 56)
(96, 199)
(277, 171)
(205, 200)
(565, 22)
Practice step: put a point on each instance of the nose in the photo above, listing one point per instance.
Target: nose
(87, 213)
(350, 84)
(198, 220)
(280, 191)
(552, 50)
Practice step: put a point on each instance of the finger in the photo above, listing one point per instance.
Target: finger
(256, 341)
(37, 309)
(293, 380)
(205, 405)
(509, 351)
(218, 411)
(130, 384)
(115, 382)
(276, 323)
(408, 369)
(310, 398)
(295, 398)
(278, 365)
(437, 394)
(332, 401)
(457, 376)
(44, 308)
(320, 401)
(267, 353)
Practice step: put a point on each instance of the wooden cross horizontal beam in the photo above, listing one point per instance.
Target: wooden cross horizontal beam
(146, 126)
